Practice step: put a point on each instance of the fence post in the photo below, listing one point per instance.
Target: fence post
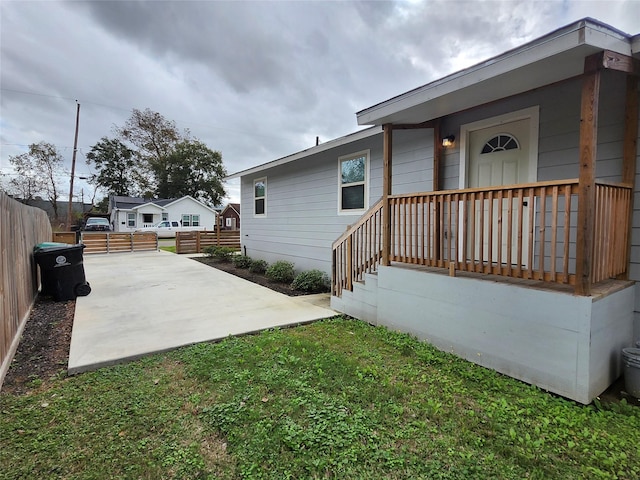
(218, 226)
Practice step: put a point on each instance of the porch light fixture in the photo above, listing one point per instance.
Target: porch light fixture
(448, 141)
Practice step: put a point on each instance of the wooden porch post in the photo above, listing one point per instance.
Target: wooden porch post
(630, 152)
(386, 191)
(586, 185)
(437, 156)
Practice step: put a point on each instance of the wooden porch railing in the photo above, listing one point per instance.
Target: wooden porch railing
(358, 250)
(522, 231)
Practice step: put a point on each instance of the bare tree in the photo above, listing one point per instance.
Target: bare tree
(38, 173)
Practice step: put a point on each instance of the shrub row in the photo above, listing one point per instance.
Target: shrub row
(311, 281)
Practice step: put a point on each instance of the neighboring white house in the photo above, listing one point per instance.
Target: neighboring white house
(128, 214)
(489, 212)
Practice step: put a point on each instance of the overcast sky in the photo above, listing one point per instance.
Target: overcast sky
(255, 80)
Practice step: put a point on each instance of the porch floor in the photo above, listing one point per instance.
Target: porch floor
(599, 290)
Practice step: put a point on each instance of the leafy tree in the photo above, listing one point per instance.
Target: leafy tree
(193, 169)
(118, 171)
(154, 138)
(38, 173)
(102, 206)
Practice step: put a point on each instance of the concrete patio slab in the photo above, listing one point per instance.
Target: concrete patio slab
(147, 302)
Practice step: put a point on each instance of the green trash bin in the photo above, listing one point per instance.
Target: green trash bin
(61, 270)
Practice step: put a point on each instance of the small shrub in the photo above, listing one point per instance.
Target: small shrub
(224, 254)
(312, 281)
(258, 266)
(242, 261)
(281, 272)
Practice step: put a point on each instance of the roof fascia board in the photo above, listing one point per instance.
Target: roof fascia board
(148, 204)
(352, 137)
(584, 32)
(193, 199)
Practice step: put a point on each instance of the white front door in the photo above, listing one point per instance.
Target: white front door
(499, 155)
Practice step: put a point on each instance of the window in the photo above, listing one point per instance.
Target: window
(353, 173)
(499, 143)
(260, 196)
(228, 221)
(189, 220)
(165, 216)
(131, 220)
(147, 218)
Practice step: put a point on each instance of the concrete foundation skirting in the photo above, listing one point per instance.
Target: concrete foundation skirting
(567, 344)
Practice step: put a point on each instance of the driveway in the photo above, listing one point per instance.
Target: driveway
(147, 302)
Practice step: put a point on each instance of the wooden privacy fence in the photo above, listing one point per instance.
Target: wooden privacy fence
(523, 231)
(21, 228)
(196, 242)
(113, 242)
(65, 237)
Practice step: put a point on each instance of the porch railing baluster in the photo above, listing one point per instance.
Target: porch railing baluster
(502, 230)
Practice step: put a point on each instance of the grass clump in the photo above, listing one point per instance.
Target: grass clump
(333, 399)
(312, 281)
(281, 272)
(258, 266)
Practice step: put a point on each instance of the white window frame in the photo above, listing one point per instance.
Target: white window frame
(129, 220)
(228, 222)
(261, 179)
(367, 166)
(165, 216)
(192, 219)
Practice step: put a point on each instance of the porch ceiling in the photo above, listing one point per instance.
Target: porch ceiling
(552, 58)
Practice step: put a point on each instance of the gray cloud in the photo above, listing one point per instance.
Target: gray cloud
(255, 80)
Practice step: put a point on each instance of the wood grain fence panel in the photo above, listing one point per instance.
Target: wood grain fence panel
(21, 228)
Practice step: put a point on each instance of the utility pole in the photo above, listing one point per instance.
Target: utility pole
(73, 169)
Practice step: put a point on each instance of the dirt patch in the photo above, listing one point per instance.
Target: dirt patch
(43, 351)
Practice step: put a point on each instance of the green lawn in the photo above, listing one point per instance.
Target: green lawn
(335, 399)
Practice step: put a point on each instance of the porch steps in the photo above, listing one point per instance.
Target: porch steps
(362, 302)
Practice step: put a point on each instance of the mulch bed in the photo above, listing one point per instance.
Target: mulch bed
(258, 278)
(43, 351)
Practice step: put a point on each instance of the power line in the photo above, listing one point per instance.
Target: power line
(125, 109)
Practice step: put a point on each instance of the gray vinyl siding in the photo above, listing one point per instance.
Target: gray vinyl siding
(302, 218)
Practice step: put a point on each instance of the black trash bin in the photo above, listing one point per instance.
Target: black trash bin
(61, 270)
